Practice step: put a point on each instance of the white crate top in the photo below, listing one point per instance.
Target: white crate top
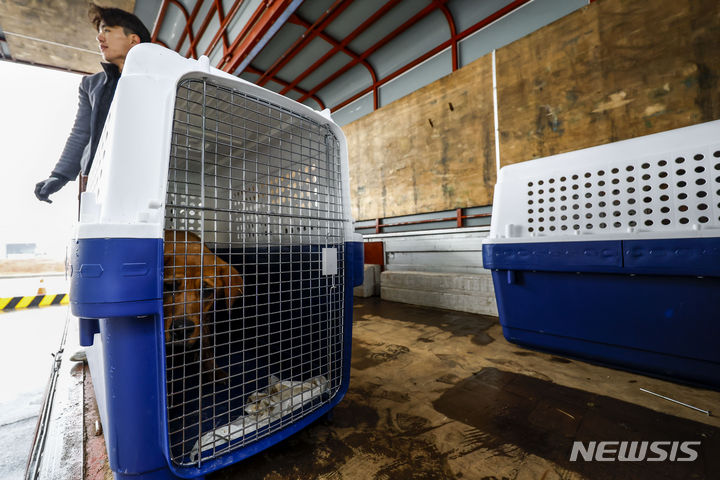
(128, 180)
(665, 185)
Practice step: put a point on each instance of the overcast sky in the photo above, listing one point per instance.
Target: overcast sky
(36, 115)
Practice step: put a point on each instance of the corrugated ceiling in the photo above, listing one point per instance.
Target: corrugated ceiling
(351, 56)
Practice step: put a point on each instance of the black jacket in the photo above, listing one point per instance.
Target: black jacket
(96, 93)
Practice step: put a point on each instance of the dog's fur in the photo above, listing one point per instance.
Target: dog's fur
(186, 293)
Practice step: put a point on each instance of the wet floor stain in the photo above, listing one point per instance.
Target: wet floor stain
(459, 324)
(313, 453)
(390, 352)
(414, 410)
(365, 355)
(528, 353)
(450, 379)
(362, 358)
(392, 445)
(523, 353)
(396, 441)
(507, 411)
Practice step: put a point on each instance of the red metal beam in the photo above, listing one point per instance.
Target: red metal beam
(384, 41)
(251, 69)
(397, 72)
(335, 43)
(221, 18)
(187, 30)
(361, 28)
(310, 33)
(469, 31)
(259, 11)
(457, 218)
(491, 18)
(365, 63)
(269, 12)
(189, 20)
(203, 27)
(163, 11)
(160, 19)
(222, 31)
(453, 33)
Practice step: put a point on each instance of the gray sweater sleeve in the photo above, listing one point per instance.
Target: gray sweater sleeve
(69, 164)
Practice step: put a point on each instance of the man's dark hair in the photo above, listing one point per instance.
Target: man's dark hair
(114, 17)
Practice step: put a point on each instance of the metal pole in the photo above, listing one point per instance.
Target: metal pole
(706, 412)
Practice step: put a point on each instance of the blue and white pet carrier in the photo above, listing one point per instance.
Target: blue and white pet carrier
(612, 253)
(213, 268)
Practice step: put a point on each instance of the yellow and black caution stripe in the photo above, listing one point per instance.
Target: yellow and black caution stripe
(17, 303)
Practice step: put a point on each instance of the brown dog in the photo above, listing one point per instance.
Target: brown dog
(192, 286)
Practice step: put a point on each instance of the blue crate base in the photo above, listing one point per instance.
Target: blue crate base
(666, 326)
(128, 363)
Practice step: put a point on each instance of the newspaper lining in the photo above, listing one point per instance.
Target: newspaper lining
(262, 408)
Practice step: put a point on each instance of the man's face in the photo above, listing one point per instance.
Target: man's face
(114, 44)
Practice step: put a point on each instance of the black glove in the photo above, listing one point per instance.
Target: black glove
(44, 189)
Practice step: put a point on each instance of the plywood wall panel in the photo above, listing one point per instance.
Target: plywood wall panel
(610, 71)
(432, 150)
(613, 70)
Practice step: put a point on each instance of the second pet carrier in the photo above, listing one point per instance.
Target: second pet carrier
(213, 268)
(612, 253)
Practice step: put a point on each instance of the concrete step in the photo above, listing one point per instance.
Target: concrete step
(472, 293)
(371, 282)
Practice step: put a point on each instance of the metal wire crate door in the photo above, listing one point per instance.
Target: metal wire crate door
(259, 189)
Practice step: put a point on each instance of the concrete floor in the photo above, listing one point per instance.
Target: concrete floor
(437, 394)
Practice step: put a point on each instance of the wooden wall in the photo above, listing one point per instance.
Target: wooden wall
(409, 156)
(613, 70)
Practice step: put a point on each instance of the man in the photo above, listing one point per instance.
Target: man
(118, 32)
